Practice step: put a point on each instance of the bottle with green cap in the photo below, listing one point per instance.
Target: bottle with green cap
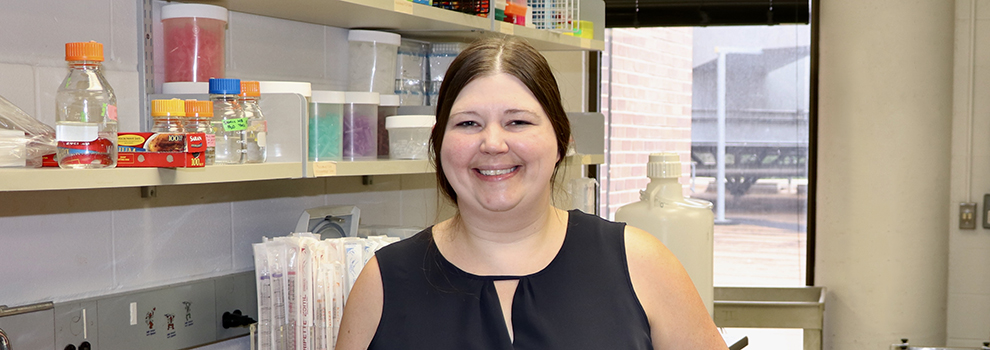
(229, 122)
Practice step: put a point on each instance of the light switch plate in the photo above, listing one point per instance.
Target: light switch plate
(967, 216)
(986, 204)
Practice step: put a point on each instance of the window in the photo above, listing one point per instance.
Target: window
(660, 90)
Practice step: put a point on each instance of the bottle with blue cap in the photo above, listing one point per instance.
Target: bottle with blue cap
(229, 123)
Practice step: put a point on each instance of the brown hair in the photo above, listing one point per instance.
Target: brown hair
(489, 56)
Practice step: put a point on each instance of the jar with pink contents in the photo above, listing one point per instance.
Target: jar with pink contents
(194, 41)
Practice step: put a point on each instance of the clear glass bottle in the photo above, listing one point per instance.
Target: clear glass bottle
(85, 111)
(229, 124)
(198, 119)
(257, 131)
(167, 115)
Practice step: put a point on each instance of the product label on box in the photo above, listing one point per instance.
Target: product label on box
(236, 124)
(161, 142)
(211, 140)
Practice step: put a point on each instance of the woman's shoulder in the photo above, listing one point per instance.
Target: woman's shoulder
(409, 248)
(647, 252)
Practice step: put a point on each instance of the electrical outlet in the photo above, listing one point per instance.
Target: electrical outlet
(75, 323)
(967, 216)
(236, 292)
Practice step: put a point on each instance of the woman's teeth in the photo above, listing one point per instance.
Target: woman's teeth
(496, 172)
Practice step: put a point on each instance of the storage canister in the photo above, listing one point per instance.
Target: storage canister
(388, 107)
(194, 41)
(285, 118)
(325, 125)
(360, 127)
(409, 136)
(372, 57)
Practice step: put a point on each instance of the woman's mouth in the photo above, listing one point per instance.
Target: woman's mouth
(497, 172)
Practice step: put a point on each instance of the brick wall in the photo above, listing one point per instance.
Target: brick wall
(650, 105)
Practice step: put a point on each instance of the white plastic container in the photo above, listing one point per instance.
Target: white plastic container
(194, 41)
(186, 88)
(409, 136)
(388, 107)
(326, 125)
(686, 226)
(373, 57)
(360, 126)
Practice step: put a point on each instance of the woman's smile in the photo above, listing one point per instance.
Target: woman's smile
(497, 172)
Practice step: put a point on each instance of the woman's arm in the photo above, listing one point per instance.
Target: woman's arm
(363, 310)
(678, 318)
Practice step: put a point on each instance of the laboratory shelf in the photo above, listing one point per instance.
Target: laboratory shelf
(370, 167)
(41, 179)
(412, 20)
(47, 179)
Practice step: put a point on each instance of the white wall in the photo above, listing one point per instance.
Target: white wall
(885, 125)
(968, 321)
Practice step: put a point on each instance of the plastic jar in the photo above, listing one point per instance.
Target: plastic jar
(194, 41)
(326, 125)
(409, 136)
(168, 115)
(360, 126)
(198, 119)
(373, 57)
(257, 131)
(388, 107)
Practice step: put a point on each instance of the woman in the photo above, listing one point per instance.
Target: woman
(510, 271)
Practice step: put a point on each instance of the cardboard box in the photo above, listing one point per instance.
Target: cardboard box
(155, 150)
(164, 150)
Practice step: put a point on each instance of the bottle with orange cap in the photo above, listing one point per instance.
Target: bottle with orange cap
(257, 131)
(168, 115)
(198, 116)
(85, 111)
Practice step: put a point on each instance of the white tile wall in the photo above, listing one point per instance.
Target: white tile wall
(170, 244)
(17, 86)
(336, 60)
(379, 202)
(54, 256)
(251, 37)
(47, 80)
(36, 31)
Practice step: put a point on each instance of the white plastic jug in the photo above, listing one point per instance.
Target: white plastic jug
(686, 226)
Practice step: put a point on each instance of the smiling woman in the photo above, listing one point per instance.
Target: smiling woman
(510, 271)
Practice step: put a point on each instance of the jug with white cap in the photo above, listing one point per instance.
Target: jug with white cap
(686, 226)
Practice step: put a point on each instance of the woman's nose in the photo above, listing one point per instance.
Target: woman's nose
(494, 141)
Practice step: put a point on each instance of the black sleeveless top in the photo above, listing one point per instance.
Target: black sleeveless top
(583, 299)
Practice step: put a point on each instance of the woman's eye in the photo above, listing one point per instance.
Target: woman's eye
(519, 122)
(468, 123)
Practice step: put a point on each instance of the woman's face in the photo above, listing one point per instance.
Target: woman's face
(499, 148)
